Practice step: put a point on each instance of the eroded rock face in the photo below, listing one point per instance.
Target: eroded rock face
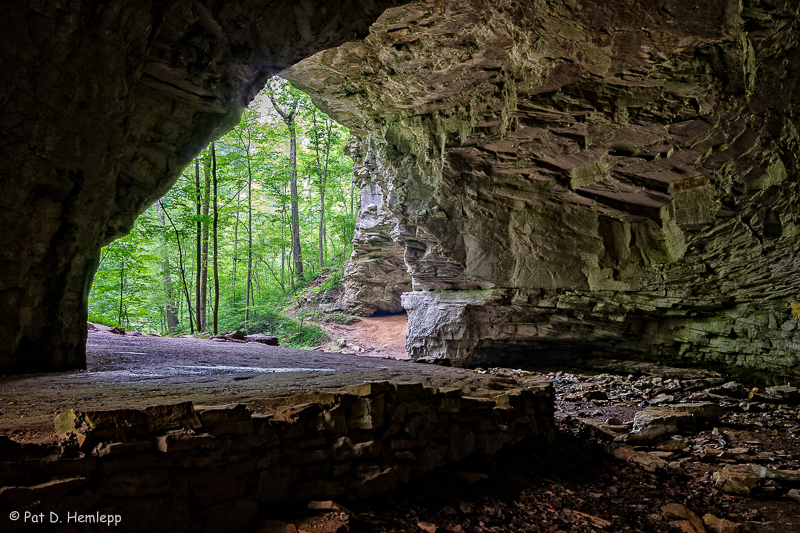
(375, 276)
(584, 177)
(101, 107)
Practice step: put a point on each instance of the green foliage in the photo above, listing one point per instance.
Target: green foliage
(333, 279)
(100, 319)
(291, 332)
(151, 274)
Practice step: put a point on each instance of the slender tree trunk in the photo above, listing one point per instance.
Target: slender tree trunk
(171, 315)
(216, 251)
(322, 170)
(287, 113)
(198, 252)
(235, 248)
(182, 270)
(249, 244)
(202, 321)
(297, 253)
(321, 229)
(284, 266)
(121, 290)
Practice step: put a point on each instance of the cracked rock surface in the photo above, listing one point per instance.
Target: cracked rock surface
(730, 467)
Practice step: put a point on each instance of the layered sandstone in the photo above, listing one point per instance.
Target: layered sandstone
(183, 467)
(375, 276)
(584, 177)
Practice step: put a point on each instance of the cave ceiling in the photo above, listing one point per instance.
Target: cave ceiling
(102, 105)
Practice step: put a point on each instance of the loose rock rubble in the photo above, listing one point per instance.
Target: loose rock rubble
(623, 460)
(707, 458)
(710, 431)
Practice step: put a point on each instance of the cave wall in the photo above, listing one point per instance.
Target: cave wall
(569, 175)
(584, 177)
(375, 276)
(102, 104)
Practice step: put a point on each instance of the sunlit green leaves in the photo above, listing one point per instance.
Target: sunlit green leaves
(140, 274)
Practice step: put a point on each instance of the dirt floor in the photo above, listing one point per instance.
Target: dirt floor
(581, 483)
(382, 336)
(136, 371)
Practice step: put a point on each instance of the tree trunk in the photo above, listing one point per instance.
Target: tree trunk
(297, 253)
(182, 269)
(216, 252)
(121, 290)
(202, 321)
(249, 244)
(283, 248)
(321, 254)
(322, 170)
(287, 113)
(198, 251)
(171, 313)
(235, 247)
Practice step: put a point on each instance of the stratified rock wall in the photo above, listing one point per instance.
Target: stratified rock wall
(375, 276)
(585, 177)
(102, 104)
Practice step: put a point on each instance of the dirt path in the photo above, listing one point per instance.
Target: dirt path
(127, 371)
(383, 336)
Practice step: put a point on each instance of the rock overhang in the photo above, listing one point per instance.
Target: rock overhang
(102, 105)
(627, 175)
(641, 155)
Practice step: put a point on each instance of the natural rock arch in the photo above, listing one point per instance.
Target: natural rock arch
(101, 106)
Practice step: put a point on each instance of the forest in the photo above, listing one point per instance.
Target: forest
(259, 214)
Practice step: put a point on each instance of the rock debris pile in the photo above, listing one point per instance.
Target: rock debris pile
(740, 440)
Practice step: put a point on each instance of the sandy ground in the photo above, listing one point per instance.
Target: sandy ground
(383, 336)
(127, 371)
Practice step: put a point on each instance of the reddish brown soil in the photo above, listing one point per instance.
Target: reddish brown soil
(381, 336)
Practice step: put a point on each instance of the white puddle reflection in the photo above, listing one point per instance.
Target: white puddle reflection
(259, 369)
(190, 370)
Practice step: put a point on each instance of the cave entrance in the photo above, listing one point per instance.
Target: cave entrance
(260, 220)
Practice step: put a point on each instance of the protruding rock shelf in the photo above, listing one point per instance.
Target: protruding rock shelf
(190, 468)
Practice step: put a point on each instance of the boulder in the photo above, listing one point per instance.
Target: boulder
(700, 410)
(269, 340)
(661, 416)
(736, 479)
